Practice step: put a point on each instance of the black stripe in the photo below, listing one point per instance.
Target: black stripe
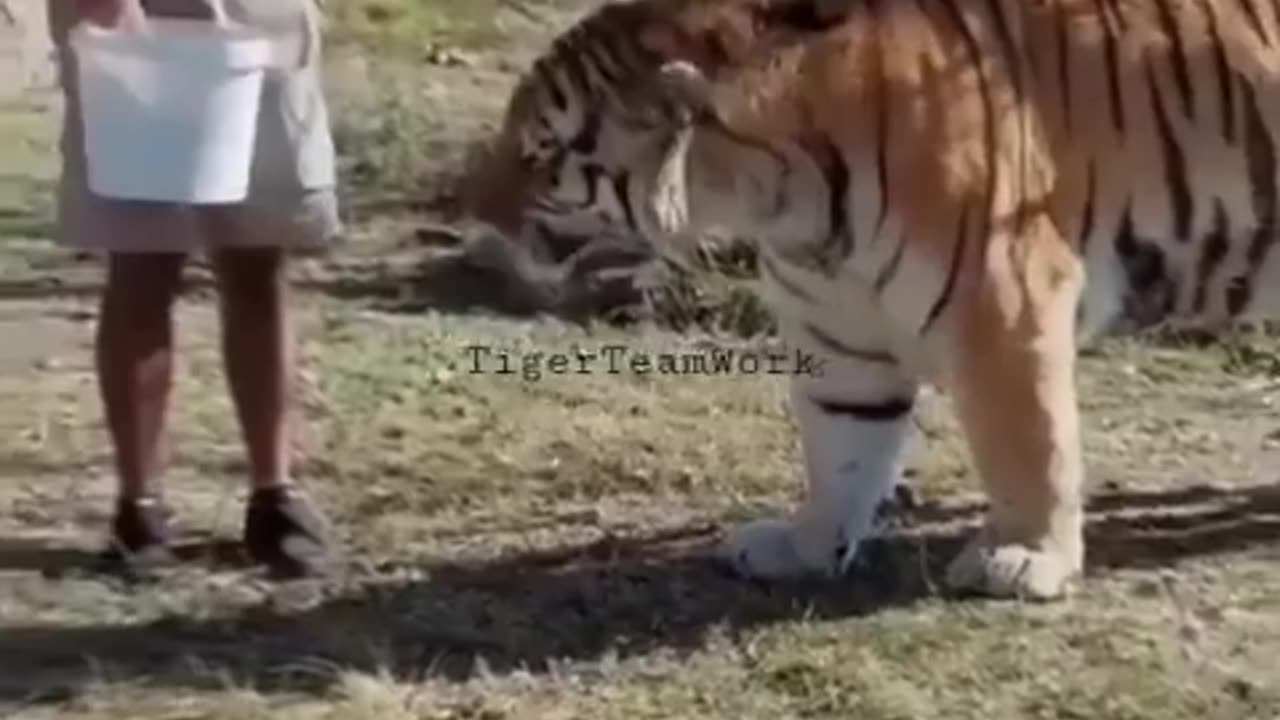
(1117, 9)
(1150, 291)
(1181, 74)
(1124, 241)
(888, 410)
(890, 270)
(576, 60)
(718, 53)
(1109, 60)
(836, 174)
(1223, 70)
(1143, 262)
(1215, 249)
(770, 267)
(1008, 47)
(604, 63)
(548, 78)
(805, 17)
(953, 273)
(1255, 21)
(1010, 51)
(630, 60)
(609, 63)
(1261, 154)
(1064, 68)
(882, 136)
(837, 347)
(989, 140)
(622, 189)
(584, 142)
(1090, 193)
(591, 175)
(1175, 165)
(575, 71)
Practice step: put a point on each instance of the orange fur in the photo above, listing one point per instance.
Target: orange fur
(714, 34)
(1021, 148)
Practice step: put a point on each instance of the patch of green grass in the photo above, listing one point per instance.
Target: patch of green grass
(28, 164)
(415, 82)
(414, 26)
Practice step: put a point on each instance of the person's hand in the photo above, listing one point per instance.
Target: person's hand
(110, 13)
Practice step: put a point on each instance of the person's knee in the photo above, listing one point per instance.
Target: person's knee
(250, 277)
(144, 285)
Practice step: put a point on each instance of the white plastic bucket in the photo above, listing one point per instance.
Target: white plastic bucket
(170, 112)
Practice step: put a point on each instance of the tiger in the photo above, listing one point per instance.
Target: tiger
(955, 193)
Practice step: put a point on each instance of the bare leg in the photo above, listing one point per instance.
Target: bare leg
(134, 349)
(257, 348)
(282, 529)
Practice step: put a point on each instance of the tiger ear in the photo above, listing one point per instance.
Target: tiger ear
(686, 89)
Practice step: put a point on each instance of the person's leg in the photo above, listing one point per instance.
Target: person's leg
(257, 347)
(134, 357)
(281, 529)
(290, 207)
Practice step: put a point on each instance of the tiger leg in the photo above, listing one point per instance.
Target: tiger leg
(854, 419)
(1012, 355)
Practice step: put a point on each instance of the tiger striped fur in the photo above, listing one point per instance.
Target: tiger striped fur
(564, 122)
(947, 191)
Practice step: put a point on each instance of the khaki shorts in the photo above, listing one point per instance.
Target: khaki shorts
(292, 203)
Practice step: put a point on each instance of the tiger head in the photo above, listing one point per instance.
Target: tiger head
(661, 169)
(597, 138)
(562, 173)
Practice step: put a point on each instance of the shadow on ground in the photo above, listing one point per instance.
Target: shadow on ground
(490, 279)
(450, 284)
(432, 267)
(627, 596)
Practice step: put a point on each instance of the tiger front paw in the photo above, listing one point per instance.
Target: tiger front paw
(772, 549)
(1013, 571)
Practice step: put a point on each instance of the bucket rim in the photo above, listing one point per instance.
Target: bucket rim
(204, 28)
(237, 46)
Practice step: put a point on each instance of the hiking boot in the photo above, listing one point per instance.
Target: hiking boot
(284, 531)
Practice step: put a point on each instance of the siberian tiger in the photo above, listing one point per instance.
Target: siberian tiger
(930, 184)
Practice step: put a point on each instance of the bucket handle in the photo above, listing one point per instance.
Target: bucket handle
(219, 10)
(134, 17)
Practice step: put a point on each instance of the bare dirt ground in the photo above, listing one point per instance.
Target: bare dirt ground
(529, 546)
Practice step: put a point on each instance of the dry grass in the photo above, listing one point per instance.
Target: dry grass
(532, 548)
(524, 548)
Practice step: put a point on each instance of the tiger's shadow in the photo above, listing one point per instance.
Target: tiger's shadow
(623, 597)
